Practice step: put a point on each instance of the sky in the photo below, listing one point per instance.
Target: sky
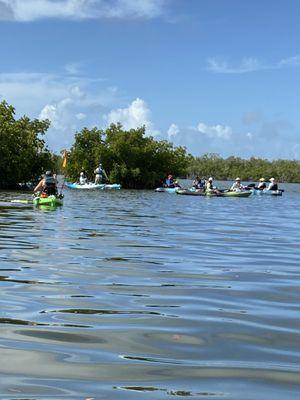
(216, 76)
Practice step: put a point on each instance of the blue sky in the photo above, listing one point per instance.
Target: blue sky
(219, 76)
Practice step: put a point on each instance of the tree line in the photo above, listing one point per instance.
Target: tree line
(130, 157)
(247, 169)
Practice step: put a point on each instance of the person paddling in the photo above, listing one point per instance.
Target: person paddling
(170, 182)
(210, 188)
(100, 174)
(262, 184)
(82, 178)
(272, 185)
(237, 186)
(47, 186)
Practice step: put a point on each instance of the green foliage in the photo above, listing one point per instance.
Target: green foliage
(247, 170)
(129, 157)
(23, 154)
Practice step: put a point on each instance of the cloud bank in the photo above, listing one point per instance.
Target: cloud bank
(34, 10)
(248, 65)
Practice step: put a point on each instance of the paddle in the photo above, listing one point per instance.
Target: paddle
(21, 201)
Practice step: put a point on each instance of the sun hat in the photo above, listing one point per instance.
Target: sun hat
(210, 179)
(272, 179)
(237, 179)
(262, 179)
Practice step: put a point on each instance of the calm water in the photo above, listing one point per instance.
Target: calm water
(143, 295)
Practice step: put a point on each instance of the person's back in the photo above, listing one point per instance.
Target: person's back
(273, 185)
(100, 175)
(50, 186)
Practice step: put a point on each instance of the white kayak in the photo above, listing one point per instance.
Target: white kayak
(167, 189)
(93, 186)
(267, 192)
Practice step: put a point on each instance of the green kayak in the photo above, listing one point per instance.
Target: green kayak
(230, 194)
(48, 201)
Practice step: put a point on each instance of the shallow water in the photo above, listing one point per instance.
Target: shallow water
(143, 295)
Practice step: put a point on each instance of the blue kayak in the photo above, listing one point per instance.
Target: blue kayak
(167, 189)
(93, 186)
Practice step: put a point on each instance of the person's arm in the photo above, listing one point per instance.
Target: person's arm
(39, 186)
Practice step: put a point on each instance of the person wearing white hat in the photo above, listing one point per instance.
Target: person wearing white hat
(262, 184)
(209, 187)
(237, 186)
(273, 184)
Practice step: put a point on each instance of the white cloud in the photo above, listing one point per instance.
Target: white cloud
(215, 131)
(173, 131)
(66, 101)
(134, 116)
(246, 65)
(290, 61)
(32, 10)
(249, 65)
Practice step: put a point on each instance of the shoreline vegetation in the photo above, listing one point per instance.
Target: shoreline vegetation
(130, 157)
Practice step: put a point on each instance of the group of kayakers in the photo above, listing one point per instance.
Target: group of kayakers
(47, 186)
(208, 186)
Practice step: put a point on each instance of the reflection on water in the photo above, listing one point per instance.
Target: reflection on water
(143, 295)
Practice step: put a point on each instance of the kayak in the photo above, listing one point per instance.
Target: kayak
(267, 192)
(167, 189)
(191, 192)
(237, 194)
(230, 194)
(48, 201)
(93, 186)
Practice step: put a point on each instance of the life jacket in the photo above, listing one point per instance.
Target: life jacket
(274, 186)
(209, 186)
(170, 183)
(50, 186)
(262, 186)
(99, 171)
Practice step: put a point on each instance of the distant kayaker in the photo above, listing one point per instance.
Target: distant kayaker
(170, 182)
(237, 186)
(210, 188)
(100, 175)
(83, 178)
(262, 184)
(47, 185)
(272, 185)
(198, 183)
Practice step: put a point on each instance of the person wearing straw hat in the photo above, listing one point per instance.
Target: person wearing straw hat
(273, 184)
(237, 186)
(262, 184)
(210, 188)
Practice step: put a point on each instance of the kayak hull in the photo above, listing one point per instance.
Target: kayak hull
(189, 192)
(230, 194)
(167, 190)
(266, 192)
(93, 186)
(52, 201)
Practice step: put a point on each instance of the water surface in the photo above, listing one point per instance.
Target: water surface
(143, 295)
